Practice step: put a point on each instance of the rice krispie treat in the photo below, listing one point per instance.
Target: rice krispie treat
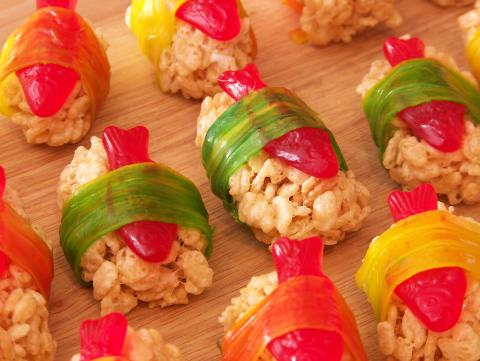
(135, 229)
(333, 21)
(295, 313)
(431, 134)
(54, 75)
(26, 272)
(111, 339)
(425, 293)
(193, 42)
(268, 179)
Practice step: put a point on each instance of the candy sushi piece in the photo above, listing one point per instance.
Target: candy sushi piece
(295, 313)
(144, 229)
(431, 134)
(54, 75)
(422, 279)
(191, 42)
(284, 175)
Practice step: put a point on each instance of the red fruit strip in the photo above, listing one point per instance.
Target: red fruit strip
(238, 83)
(102, 337)
(440, 123)
(4, 263)
(4, 260)
(47, 87)
(67, 4)
(303, 258)
(24, 247)
(295, 5)
(435, 296)
(151, 241)
(307, 149)
(218, 19)
(3, 181)
(405, 204)
(397, 50)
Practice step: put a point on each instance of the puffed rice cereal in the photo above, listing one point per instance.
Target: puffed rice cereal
(277, 200)
(411, 161)
(402, 337)
(255, 292)
(334, 21)
(24, 332)
(120, 278)
(147, 345)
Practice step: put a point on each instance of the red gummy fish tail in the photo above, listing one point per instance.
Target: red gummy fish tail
(67, 4)
(126, 146)
(405, 204)
(102, 337)
(297, 258)
(397, 50)
(238, 83)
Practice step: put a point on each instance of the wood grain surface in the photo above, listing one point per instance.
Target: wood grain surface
(325, 78)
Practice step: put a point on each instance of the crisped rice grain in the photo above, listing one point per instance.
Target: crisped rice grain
(277, 200)
(120, 278)
(335, 21)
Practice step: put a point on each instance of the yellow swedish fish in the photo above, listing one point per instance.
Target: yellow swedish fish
(418, 243)
(473, 53)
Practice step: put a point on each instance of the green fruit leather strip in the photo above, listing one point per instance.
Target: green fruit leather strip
(412, 83)
(139, 192)
(246, 127)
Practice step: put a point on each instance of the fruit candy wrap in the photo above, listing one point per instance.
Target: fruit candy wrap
(421, 242)
(133, 193)
(55, 35)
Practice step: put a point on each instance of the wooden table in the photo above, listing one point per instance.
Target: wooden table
(325, 78)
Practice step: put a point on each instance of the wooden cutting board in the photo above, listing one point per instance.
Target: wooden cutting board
(325, 78)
